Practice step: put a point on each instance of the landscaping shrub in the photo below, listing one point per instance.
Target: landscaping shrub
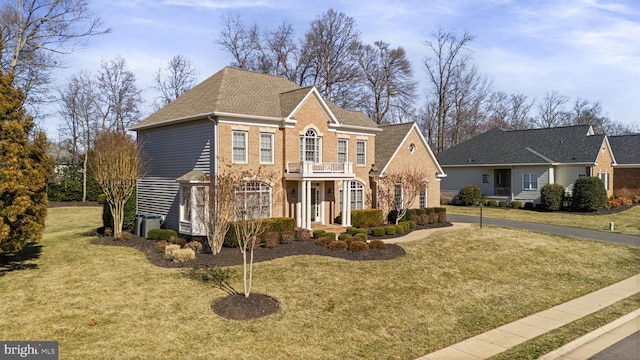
(616, 203)
(161, 234)
(399, 229)
(351, 239)
(428, 211)
(160, 245)
(332, 235)
(279, 224)
(288, 236)
(377, 245)
(324, 240)
(169, 249)
(503, 203)
(352, 230)
(405, 224)
(469, 195)
(194, 245)
(377, 231)
(551, 197)
(178, 241)
(271, 239)
(303, 234)
(636, 199)
(424, 219)
(337, 245)
(361, 236)
(416, 219)
(343, 236)
(589, 193)
(434, 218)
(125, 236)
(528, 206)
(412, 224)
(442, 217)
(366, 217)
(318, 233)
(390, 230)
(359, 245)
(181, 255)
(516, 204)
(491, 203)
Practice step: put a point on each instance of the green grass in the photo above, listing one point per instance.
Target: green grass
(626, 222)
(103, 302)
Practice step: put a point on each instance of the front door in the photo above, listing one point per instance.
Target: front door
(502, 182)
(315, 204)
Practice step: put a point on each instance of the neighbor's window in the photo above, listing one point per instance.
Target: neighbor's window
(266, 148)
(485, 178)
(343, 145)
(605, 179)
(530, 181)
(239, 146)
(361, 152)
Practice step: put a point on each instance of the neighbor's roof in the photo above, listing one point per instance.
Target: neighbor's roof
(626, 149)
(572, 144)
(241, 92)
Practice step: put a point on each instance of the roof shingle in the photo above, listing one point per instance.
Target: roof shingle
(626, 149)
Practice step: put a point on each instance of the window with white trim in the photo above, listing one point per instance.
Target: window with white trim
(253, 200)
(266, 148)
(310, 146)
(423, 197)
(239, 147)
(357, 195)
(343, 145)
(361, 152)
(604, 176)
(185, 203)
(530, 181)
(398, 196)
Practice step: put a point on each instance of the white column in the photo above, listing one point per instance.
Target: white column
(298, 205)
(321, 193)
(303, 204)
(344, 203)
(349, 203)
(308, 201)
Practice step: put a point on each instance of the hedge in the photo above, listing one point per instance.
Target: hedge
(366, 218)
(280, 225)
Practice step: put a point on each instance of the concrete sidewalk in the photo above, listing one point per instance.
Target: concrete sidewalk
(495, 341)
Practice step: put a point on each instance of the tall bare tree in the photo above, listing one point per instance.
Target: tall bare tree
(116, 164)
(79, 109)
(175, 79)
(240, 40)
(388, 79)
(469, 93)
(119, 96)
(551, 111)
(36, 32)
(510, 111)
(448, 56)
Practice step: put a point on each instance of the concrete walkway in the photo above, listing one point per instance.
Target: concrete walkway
(611, 237)
(495, 341)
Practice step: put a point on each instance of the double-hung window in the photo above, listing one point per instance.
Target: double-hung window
(357, 195)
(253, 200)
(310, 146)
(266, 148)
(239, 145)
(343, 145)
(398, 196)
(605, 179)
(361, 152)
(530, 181)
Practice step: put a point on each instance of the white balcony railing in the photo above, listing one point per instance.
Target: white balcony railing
(309, 168)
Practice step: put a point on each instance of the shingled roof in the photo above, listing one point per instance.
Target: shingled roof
(241, 92)
(389, 141)
(626, 149)
(560, 145)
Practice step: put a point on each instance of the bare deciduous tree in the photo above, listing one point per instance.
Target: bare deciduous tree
(448, 57)
(242, 42)
(119, 96)
(174, 80)
(388, 79)
(551, 112)
(116, 164)
(35, 32)
(399, 189)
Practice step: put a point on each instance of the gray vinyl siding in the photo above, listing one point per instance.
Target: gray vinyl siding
(170, 152)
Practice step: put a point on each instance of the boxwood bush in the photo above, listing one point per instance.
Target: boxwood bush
(589, 193)
(377, 231)
(469, 195)
(551, 197)
(366, 217)
(161, 234)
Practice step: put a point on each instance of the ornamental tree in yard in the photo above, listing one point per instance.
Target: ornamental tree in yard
(116, 164)
(25, 170)
(397, 190)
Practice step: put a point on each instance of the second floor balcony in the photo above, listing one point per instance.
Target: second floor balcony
(310, 169)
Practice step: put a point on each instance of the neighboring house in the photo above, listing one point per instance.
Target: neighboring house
(403, 146)
(247, 121)
(626, 148)
(62, 158)
(516, 164)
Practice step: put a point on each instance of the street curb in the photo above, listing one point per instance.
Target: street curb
(590, 336)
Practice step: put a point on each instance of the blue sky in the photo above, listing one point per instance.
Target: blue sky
(578, 48)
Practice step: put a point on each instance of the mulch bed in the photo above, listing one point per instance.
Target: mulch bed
(233, 257)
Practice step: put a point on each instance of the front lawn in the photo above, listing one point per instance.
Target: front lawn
(106, 302)
(625, 222)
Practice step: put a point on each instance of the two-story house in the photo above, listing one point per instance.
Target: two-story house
(321, 154)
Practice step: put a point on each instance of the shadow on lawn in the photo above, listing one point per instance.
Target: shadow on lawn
(17, 261)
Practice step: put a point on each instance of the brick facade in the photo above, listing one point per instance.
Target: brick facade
(627, 181)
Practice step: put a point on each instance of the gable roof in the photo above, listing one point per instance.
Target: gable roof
(561, 145)
(392, 138)
(626, 149)
(245, 93)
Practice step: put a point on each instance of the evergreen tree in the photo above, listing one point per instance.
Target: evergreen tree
(25, 169)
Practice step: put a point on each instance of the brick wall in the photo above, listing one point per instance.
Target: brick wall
(626, 180)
